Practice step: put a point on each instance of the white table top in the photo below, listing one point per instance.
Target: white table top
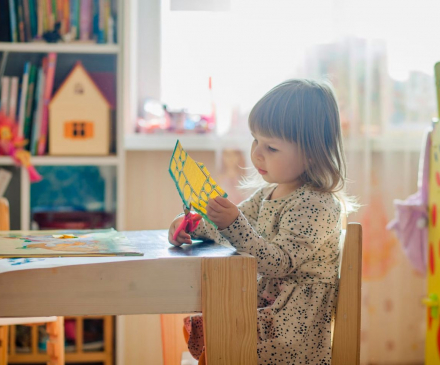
(167, 279)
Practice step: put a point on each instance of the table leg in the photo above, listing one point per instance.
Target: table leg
(229, 307)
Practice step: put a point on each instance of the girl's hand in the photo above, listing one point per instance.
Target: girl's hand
(183, 237)
(222, 212)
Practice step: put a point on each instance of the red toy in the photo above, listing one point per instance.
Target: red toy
(12, 145)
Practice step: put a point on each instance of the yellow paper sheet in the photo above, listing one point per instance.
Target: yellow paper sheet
(193, 181)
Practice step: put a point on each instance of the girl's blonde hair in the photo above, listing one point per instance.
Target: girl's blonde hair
(305, 112)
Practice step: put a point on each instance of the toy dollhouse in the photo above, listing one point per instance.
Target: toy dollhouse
(79, 117)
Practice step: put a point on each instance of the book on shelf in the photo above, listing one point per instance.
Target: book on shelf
(27, 104)
(13, 98)
(4, 96)
(13, 21)
(46, 95)
(20, 20)
(5, 26)
(27, 19)
(23, 97)
(81, 20)
(36, 124)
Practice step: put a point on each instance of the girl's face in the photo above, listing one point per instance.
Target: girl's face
(278, 161)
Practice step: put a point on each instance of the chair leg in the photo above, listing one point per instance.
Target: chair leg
(4, 345)
(108, 340)
(55, 344)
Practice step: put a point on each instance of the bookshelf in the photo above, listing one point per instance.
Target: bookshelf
(96, 57)
(117, 58)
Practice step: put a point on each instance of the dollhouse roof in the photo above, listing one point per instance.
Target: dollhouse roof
(77, 66)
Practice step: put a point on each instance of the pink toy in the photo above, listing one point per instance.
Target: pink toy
(12, 145)
(411, 221)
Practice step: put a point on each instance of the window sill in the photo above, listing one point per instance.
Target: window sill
(190, 142)
(402, 142)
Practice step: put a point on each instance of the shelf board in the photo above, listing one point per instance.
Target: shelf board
(158, 142)
(198, 142)
(66, 160)
(41, 47)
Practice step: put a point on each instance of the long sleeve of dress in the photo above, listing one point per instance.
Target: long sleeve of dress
(302, 228)
(249, 209)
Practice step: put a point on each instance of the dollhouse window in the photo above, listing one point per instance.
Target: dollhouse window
(78, 130)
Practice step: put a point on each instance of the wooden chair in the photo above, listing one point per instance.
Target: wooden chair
(347, 321)
(54, 325)
(347, 324)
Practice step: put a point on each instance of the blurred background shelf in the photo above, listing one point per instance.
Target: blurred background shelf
(89, 340)
(40, 47)
(65, 161)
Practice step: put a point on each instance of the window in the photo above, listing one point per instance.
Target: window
(379, 55)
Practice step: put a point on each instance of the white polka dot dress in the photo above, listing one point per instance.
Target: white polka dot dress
(295, 240)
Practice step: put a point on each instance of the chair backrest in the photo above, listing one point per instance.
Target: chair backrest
(4, 215)
(347, 326)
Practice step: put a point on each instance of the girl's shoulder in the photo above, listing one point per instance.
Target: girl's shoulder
(307, 197)
(323, 197)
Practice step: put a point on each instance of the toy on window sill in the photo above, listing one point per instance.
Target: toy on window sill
(12, 145)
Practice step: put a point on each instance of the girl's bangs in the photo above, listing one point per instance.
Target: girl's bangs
(269, 119)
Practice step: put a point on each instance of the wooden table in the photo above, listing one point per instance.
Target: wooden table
(204, 277)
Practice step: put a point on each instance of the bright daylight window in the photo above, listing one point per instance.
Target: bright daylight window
(379, 55)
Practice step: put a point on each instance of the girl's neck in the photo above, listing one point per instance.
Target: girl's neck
(281, 190)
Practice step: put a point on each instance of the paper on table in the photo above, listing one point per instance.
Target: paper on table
(17, 264)
(74, 243)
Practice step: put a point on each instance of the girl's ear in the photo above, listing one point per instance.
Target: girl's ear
(308, 162)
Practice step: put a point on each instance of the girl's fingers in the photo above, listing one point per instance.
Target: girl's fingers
(212, 214)
(170, 239)
(215, 206)
(184, 237)
(209, 210)
(224, 202)
(181, 238)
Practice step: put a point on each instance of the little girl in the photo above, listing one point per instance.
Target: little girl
(291, 224)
